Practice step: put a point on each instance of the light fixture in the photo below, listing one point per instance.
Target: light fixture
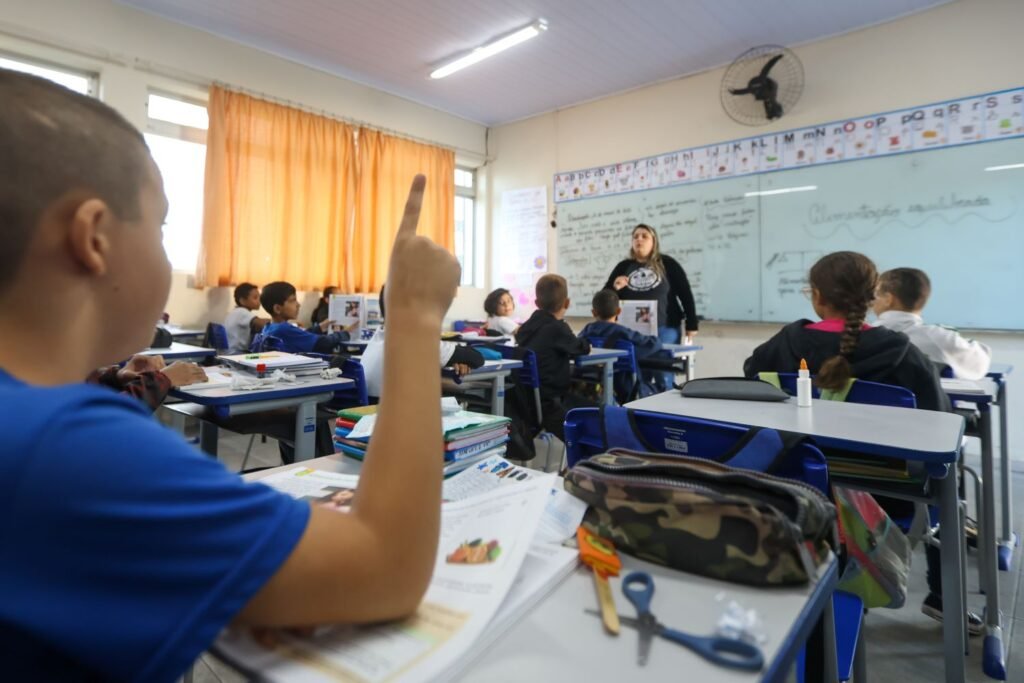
(1007, 167)
(783, 190)
(490, 49)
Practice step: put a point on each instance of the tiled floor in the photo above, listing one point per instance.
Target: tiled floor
(902, 645)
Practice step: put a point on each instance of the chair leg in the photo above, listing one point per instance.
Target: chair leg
(248, 450)
(980, 525)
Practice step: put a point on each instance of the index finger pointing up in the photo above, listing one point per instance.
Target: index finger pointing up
(412, 206)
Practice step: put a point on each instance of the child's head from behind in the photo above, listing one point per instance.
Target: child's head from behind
(326, 296)
(605, 305)
(552, 294)
(842, 285)
(278, 298)
(499, 304)
(247, 295)
(902, 289)
(81, 208)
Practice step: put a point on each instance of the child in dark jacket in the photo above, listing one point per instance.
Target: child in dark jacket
(548, 335)
(841, 346)
(606, 310)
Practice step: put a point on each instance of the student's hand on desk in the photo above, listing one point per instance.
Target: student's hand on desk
(620, 282)
(423, 276)
(183, 373)
(139, 364)
(352, 328)
(461, 369)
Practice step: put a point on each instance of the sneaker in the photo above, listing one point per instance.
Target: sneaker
(932, 606)
(971, 533)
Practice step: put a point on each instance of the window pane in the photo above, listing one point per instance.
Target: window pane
(178, 111)
(73, 81)
(183, 166)
(463, 178)
(465, 239)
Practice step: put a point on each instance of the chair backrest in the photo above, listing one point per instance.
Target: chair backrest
(587, 434)
(265, 342)
(356, 395)
(626, 368)
(862, 391)
(216, 337)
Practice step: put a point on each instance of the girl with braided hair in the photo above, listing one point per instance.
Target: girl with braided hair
(841, 346)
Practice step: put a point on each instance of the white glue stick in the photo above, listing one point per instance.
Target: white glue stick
(803, 386)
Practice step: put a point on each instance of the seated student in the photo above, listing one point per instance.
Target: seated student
(242, 321)
(459, 357)
(147, 378)
(901, 296)
(278, 299)
(321, 312)
(842, 346)
(606, 310)
(548, 335)
(499, 307)
(149, 568)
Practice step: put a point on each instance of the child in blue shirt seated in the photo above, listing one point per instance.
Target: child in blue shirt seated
(606, 310)
(278, 298)
(131, 550)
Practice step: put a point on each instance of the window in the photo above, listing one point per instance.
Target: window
(78, 81)
(176, 135)
(466, 243)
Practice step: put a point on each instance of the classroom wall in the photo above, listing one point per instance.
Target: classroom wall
(126, 46)
(965, 47)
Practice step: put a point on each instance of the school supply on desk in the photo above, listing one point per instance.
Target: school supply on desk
(660, 508)
(466, 607)
(735, 388)
(599, 554)
(732, 653)
(293, 364)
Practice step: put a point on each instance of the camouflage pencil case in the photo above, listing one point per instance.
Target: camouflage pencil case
(706, 518)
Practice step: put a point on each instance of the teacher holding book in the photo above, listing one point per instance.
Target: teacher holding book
(650, 275)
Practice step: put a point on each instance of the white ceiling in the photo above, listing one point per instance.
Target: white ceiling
(591, 49)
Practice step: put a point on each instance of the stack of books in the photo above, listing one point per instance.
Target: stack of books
(300, 366)
(468, 437)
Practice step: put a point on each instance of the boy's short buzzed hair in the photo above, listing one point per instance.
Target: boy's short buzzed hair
(552, 291)
(605, 304)
(910, 286)
(243, 291)
(275, 294)
(54, 141)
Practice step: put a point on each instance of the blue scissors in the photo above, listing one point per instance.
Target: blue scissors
(729, 652)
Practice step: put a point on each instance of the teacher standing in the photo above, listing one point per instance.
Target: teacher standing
(648, 274)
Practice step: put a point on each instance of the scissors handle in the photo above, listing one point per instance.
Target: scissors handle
(638, 588)
(728, 652)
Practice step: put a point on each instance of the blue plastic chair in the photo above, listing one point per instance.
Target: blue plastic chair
(216, 337)
(862, 391)
(629, 384)
(265, 342)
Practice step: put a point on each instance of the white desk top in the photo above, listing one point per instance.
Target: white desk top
(223, 395)
(179, 331)
(558, 641)
(179, 350)
(999, 369)
(599, 355)
(923, 435)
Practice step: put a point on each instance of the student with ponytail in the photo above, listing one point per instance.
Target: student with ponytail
(841, 346)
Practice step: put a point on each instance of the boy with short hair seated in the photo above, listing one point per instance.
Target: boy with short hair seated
(131, 576)
(902, 295)
(242, 321)
(548, 335)
(278, 299)
(606, 309)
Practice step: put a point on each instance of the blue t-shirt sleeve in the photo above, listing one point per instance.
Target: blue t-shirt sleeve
(128, 549)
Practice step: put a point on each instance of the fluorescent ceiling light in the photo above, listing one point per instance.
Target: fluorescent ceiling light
(492, 48)
(1007, 167)
(783, 190)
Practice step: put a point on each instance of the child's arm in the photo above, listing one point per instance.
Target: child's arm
(645, 344)
(569, 343)
(375, 563)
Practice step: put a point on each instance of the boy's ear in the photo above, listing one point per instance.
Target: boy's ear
(565, 307)
(618, 311)
(87, 237)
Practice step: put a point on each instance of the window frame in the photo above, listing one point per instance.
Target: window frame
(92, 77)
(174, 130)
(470, 274)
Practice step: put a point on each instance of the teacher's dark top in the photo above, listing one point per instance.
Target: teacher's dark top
(668, 291)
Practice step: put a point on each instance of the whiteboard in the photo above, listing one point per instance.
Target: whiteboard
(747, 255)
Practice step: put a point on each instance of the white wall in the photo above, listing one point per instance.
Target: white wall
(965, 47)
(125, 46)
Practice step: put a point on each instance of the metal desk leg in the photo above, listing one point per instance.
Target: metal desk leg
(305, 431)
(953, 627)
(830, 659)
(609, 383)
(994, 659)
(208, 433)
(1008, 539)
(498, 395)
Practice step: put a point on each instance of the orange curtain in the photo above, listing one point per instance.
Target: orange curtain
(279, 198)
(386, 167)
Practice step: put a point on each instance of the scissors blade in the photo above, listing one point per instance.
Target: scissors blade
(648, 627)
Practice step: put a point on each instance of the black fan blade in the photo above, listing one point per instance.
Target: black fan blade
(772, 109)
(771, 62)
(741, 91)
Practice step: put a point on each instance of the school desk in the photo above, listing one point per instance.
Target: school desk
(606, 358)
(982, 397)
(179, 333)
(178, 351)
(685, 352)
(924, 436)
(998, 373)
(494, 372)
(225, 402)
(557, 641)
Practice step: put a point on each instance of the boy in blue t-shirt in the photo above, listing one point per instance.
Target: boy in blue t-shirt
(606, 309)
(127, 551)
(278, 298)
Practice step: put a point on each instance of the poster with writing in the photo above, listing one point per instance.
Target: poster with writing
(1003, 116)
(521, 254)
